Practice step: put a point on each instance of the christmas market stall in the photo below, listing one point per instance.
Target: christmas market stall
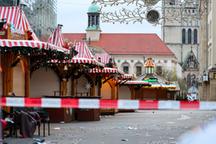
(83, 84)
(52, 81)
(22, 52)
(74, 77)
(125, 91)
(106, 78)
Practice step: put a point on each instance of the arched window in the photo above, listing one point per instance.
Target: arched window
(125, 67)
(183, 36)
(189, 36)
(195, 36)
(138, 68)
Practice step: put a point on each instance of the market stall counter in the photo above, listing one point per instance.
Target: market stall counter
(65, 115)
(87, 114)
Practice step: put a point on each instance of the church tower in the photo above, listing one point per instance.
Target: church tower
(180, 30)
(93, 30)
(180, 27)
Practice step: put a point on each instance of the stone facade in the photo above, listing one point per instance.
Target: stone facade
(180, 31)
(135, 61)
(180, 28)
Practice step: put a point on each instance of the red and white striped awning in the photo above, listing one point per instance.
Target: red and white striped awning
(57, 38)
(84, 55)
(127, 76)
(32, 44)
(16, 17)
(105, 70)
(104, 57)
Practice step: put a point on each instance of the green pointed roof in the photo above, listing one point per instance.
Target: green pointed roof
(94, 8)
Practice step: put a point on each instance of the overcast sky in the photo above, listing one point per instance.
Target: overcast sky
(73, 15)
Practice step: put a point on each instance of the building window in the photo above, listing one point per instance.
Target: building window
(183, 36)
(195, 36)
(97, 21)
(138, 70)
(93, 21)
(126, 69)
(189, 36)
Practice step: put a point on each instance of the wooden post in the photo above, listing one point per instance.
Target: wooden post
(132, 92)
(113, 91)
(92, 90)
(73, 85)
(27, 77)
(99, 87)
(7, 74)
(63, 87)
(117, 91)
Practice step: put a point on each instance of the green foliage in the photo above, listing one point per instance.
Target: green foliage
(171, 75)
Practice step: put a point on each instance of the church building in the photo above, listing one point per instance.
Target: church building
(128, 50)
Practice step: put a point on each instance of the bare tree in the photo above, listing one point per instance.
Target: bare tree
(132, 11)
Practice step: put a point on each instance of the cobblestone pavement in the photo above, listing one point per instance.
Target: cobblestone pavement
(141, 127)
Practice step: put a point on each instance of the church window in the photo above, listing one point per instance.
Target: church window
(195, 36)
(189, 36)
(183, 36)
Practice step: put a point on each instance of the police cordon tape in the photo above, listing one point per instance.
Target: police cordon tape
(106, 104)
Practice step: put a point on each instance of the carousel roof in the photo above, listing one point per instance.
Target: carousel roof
(157, 81)
(149, 63)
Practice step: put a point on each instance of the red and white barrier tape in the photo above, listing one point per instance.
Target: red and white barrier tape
(106, 104)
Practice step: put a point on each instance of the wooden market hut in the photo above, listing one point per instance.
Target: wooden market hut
(126, 91)
(67, 78)
(22, 52)
(107, 78)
